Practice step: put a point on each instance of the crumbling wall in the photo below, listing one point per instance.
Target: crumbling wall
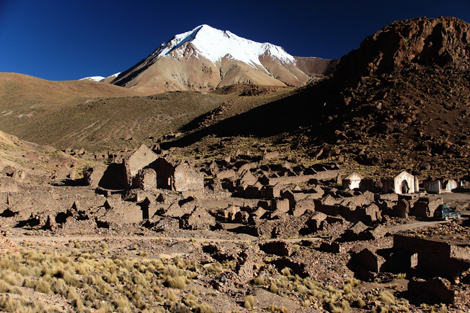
(433, 256)
(186, 178)
(141, 158)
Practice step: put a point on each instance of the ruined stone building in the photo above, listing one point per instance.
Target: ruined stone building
(403, 183)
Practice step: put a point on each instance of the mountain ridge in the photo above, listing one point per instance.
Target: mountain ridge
(206, 58)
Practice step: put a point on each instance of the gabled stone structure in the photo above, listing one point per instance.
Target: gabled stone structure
(352, 181)
(141, 158)
(439, 186)
(403, 183)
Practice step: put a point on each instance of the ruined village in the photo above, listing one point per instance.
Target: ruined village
(325, 186)
(261, 213)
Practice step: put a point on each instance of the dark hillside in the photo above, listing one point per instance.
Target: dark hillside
(400, 101)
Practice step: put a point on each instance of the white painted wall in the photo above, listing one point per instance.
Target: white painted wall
(404, 176)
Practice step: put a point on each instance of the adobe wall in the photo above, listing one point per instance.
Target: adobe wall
(404, 176)
(432, 186)
(460, 252)
(438, 257)
(414, 244)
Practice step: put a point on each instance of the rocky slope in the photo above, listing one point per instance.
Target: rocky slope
(398, 102)
(407, 89)
(207, 58)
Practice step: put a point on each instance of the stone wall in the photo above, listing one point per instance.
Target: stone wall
(434, 256)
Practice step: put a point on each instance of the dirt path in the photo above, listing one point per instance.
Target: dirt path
(420, 224)
(102, 238)
(18, 239)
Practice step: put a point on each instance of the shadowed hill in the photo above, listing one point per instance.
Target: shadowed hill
(400, 101)
(99, 116)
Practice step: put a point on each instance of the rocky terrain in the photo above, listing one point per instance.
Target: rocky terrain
(251, 198)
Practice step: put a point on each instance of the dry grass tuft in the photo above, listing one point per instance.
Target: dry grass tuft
(249, 302)
(204, 308)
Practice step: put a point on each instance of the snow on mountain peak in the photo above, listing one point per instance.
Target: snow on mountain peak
(214, 44)
(93, 78)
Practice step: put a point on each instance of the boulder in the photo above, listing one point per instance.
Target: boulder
(242, 217)
(229, 213)
(226, 174)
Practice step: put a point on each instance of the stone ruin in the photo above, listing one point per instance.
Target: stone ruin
(403, 183)
(145, 169)
(277, 192)
(437, 268)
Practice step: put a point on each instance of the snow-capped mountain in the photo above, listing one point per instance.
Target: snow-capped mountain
(101, 78)
(214, 44)
(93, 78)
(207, 58)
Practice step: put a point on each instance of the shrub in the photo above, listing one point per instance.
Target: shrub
(10, 279)
(4, 287)
(78, 304)
(273, 308)
(204, 308)
(16, 290)
(258, 281)
(72, 294)
(177, 282)
(360, 303)
(27, 282)
(273, 288)
(105, 307)
(301, 289)
(59, 287)
(42, 286)
(401, 276)
(120, 303)
(139, 279)
(249, 302)
(286, 271)
(387, 297)
(179, 308)
(170, 295)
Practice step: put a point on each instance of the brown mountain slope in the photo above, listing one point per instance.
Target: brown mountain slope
(316, 67)
(442, 42)
(27, 96)
(197, 73)
(99, 117)
(33, 87)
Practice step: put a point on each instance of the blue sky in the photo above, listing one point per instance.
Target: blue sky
(71, 39)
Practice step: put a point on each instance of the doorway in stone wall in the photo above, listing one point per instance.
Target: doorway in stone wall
(404, 187)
